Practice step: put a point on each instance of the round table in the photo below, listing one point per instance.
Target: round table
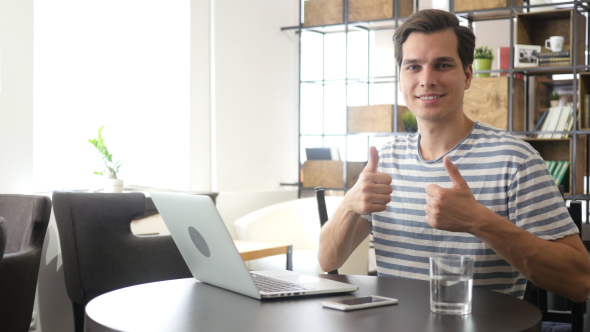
(190, 305)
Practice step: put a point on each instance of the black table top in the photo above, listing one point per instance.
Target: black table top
(189, 305)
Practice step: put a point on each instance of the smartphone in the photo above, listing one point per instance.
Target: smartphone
(359, 303)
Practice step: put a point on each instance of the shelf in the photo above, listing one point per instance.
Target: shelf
(490, 98)
(483, 5)
(535, 28)
(561, 149)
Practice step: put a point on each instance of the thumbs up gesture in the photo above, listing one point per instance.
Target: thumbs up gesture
(372, 191)
(454, 209)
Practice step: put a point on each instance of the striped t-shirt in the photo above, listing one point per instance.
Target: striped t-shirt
(504, 173)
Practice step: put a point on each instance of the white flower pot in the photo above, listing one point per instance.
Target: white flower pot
(113, 186)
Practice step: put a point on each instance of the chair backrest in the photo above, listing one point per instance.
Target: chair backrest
(99, 251)
(2, 237)
(294, 222)
(322, 212)
(26, 220)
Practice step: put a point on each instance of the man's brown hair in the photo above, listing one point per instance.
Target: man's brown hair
(434, 20)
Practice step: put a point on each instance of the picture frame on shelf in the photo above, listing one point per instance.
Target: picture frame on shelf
(526, 55)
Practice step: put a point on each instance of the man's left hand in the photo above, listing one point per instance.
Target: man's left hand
(454, 209)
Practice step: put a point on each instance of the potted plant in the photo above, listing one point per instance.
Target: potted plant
(409, 120)
(113, 183)
(554, 99)
(482, 60)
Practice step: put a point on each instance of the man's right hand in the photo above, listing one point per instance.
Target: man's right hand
(372, 191)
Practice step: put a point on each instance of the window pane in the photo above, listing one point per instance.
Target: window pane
(357, 148)
(382, 54)
(335, 51)
(383, 93)
(336, 142)
(434, 4)
(358, 94)
(108, 63)
(335, 109)
(358, 54)
(311, 108)
(312, 44)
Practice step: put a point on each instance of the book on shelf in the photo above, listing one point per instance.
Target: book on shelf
(551, 165)
(570, 124)
(504, 62)
(555, 64)
(586, 115)
(562, 121)
(545, 124)
(553, 60)
(551, 121)
(560, 175)
(543, 116)
(556, 169)
(560, 54)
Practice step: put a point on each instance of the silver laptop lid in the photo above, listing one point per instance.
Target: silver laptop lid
(204, 242)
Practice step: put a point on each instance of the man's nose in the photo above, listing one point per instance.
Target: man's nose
(428, 77)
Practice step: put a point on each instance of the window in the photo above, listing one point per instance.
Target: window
(122, 64)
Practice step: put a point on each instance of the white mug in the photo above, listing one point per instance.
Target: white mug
(555, 43)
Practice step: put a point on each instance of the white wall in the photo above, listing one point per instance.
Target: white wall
(200, 96)
(256, 98)
(16, 96)
(493, 34)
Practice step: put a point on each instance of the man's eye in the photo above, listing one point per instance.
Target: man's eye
(412, 67)
(444, 65)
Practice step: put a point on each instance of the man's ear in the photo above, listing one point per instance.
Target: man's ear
(468, 76)
(399, 81)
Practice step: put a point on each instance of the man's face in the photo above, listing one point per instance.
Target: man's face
(432, 80)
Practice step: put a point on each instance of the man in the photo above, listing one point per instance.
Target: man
(457, 186)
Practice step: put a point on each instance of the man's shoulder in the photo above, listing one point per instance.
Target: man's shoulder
(489, 137)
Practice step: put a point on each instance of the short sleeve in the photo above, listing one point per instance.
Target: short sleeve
(535, 204)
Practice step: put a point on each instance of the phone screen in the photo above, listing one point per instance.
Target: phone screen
(361, 300)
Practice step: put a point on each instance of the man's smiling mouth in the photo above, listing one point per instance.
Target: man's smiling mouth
(429, 97)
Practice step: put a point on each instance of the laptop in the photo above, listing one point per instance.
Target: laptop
(212, 257)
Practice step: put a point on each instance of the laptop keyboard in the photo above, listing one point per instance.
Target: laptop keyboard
(266, 284)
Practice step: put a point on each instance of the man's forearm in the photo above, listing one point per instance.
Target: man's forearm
(337, 238)
(562, 266)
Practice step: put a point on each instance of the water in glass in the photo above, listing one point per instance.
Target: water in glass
(451, 294)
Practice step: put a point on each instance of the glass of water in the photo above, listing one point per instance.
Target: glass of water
(451, 281)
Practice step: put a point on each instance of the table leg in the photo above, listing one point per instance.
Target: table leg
(290, 258)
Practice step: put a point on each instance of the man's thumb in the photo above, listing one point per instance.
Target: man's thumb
(373, 160)
(454, 174)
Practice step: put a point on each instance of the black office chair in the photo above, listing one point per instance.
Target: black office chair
(323, 212)
(2, 237)
(574, 313)
(101, 254)
(26, 220)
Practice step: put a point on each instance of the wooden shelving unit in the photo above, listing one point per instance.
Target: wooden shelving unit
(509, 103)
